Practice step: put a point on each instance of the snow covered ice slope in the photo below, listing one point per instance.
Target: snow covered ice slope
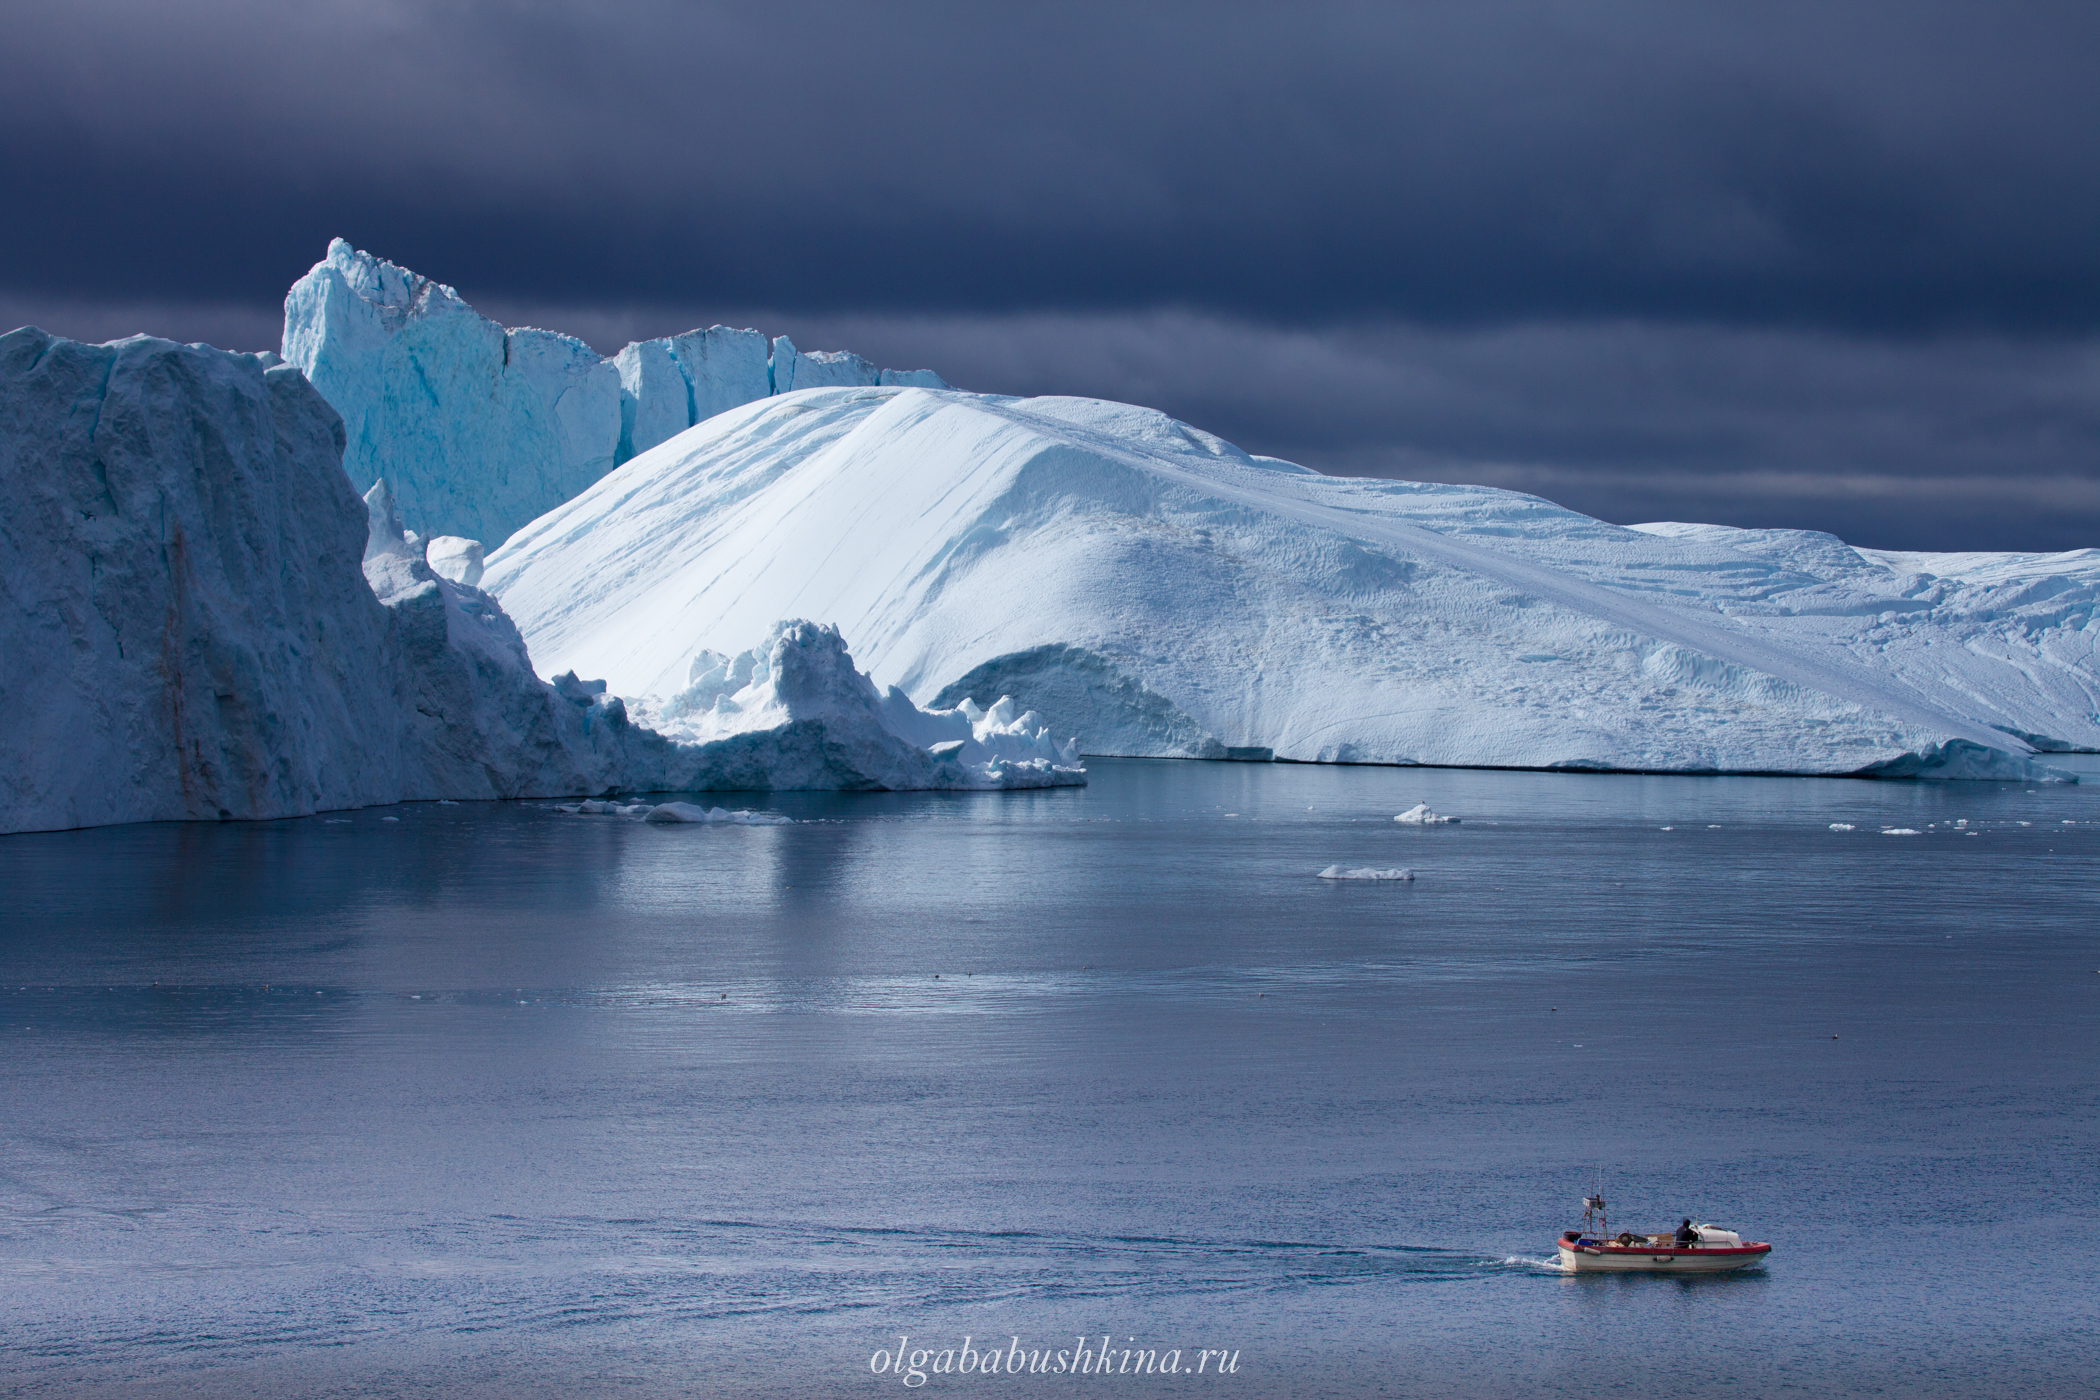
(478, 429)
(1164, 593)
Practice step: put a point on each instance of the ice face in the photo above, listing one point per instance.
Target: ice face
(478, 428)
(187, 632)
(819, 369)
(1160, 592)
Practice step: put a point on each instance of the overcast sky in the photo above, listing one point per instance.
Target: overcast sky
(1826, 266)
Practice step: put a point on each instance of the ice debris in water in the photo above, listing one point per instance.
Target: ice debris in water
(1366, 872)
(1843, 826)
(1420, 815)
(1900, 831)
(672, 813)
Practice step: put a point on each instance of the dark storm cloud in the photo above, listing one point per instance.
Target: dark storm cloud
(1873, 167)
(1815, 265)
(1949, 442)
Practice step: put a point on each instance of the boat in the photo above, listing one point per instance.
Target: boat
(1594, 1249)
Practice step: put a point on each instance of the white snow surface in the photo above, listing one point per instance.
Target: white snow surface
(477, 428)
(1164, 593)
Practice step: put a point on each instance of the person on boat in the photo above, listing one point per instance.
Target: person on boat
(1686, 1235)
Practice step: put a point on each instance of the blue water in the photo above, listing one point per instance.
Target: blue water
(491, 1100)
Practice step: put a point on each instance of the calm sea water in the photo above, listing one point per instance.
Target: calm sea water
(497, 1101)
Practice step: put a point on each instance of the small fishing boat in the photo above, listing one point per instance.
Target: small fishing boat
(1709, 1250)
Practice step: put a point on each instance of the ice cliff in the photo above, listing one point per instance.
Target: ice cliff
(1161, 592)
(479, 429)
(199, 618)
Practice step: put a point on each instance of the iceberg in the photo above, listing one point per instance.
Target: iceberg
(1420, 815)
(1366, 872)
(202, 620)
(479, 428)
(1164, 593)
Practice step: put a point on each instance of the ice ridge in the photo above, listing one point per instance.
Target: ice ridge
(479, 428)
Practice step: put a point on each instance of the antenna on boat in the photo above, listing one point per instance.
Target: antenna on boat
(1593, 1206)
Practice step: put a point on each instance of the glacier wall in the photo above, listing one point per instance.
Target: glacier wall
(479, 429)
(1162, 592)
(201, 620)
(186, 629)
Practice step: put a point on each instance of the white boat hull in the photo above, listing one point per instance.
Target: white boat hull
(1653, 1259)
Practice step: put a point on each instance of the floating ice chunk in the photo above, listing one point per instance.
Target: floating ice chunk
(1335, 872)
(1900, 831)
(1843, 826)
(674, 813)
(1420, 815)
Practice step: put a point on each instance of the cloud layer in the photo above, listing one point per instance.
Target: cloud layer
(1816, 265)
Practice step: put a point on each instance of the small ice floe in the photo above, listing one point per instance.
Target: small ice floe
(390, 819)
(1366, 872)
(1900, 831)
(446, 802)
(1843, 826)
(673, 813)
(1420, 815)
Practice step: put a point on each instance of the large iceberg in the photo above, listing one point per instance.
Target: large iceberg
(1164, 593)
(201, 619)
(478, 429)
